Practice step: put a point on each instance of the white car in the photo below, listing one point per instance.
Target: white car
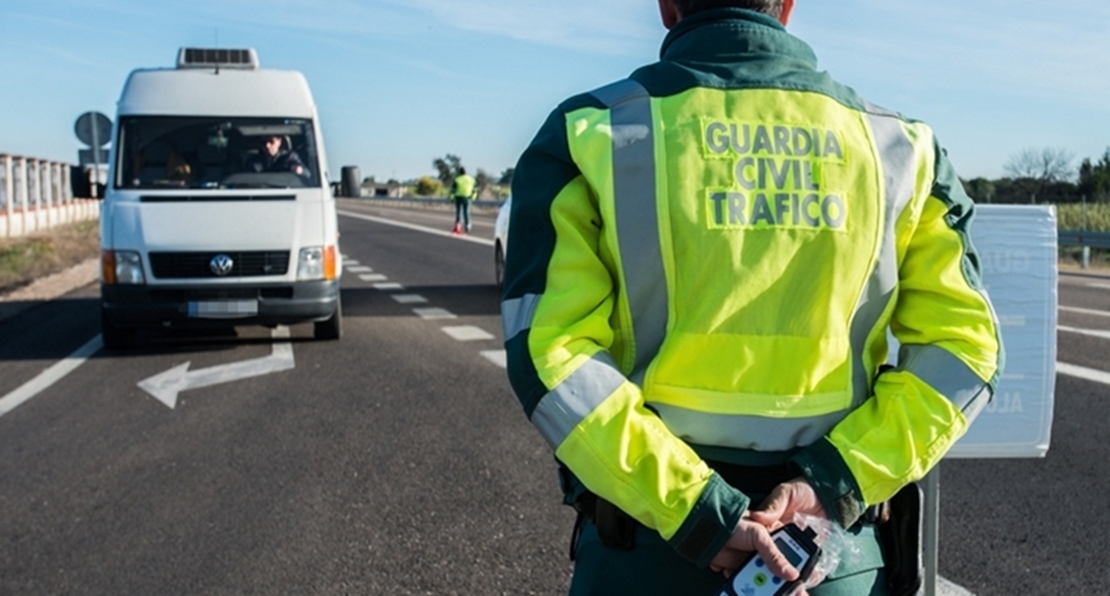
(501, 241)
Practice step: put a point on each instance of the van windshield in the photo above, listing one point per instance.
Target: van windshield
(184, 152)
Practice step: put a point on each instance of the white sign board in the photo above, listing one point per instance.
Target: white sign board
(1018, 251)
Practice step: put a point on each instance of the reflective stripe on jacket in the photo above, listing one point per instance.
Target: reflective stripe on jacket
(710, 253)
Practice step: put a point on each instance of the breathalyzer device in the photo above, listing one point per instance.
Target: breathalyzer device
(755, 579)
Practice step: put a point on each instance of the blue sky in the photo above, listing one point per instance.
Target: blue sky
(401, 82)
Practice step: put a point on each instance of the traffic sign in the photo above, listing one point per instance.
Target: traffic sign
(93, 129)
(85, 157)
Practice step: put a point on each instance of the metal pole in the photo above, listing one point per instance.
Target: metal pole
(9, 193)
(95, 153)
(930, 541)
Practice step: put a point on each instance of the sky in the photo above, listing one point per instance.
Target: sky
(399, 83)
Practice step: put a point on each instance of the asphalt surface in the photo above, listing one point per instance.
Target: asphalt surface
(397, 461)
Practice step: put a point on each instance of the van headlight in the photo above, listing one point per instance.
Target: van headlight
(316, 262)
(122, 267)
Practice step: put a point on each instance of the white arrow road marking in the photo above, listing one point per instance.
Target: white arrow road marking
(49, 376)
(166, 385)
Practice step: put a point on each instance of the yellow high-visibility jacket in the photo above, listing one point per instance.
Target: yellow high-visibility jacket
(706, 259)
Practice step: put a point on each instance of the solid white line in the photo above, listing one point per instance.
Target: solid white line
(1081, 372)
(1090, 332)
(425, 229)
(1101, 286)
(50, 376)
(1084, 311)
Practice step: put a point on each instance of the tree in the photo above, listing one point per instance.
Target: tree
(979, 189)
(1094, 178)
(447, 168)
(507, 177)
(482, 181)
(1046, 166)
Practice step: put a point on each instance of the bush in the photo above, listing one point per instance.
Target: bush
(428, 186)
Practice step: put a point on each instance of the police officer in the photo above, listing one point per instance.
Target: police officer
(705, 261)
(463, 191)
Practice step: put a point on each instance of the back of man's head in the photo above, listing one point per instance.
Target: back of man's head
(769, 7)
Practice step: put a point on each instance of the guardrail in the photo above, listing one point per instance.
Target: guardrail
(37, 194)
(1085, 239)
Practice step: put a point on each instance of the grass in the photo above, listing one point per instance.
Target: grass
(23, 260)
(1094, 217)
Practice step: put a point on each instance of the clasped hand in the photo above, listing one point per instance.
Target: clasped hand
(753, 532)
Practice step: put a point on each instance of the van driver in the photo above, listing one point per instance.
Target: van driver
(274, 157)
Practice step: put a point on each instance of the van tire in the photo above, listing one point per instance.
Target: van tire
(115, 338)
(332, 328)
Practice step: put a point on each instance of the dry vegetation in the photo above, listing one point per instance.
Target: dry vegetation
(23, 260)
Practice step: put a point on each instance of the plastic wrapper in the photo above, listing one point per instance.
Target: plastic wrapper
(836, 546)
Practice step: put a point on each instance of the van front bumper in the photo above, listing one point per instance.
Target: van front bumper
(219, 305)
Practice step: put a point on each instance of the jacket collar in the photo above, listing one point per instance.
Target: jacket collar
(731, 33)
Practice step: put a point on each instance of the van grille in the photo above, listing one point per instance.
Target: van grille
(191, 265)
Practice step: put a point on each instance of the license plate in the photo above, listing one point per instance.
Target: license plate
(223, 309)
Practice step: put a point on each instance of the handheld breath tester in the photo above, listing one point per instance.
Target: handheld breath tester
(755, 579)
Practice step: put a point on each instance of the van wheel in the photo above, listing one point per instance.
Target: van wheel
(332, 328)
(115, 338)
(499, 265)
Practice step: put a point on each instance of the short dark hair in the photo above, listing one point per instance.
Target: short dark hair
(769, 7)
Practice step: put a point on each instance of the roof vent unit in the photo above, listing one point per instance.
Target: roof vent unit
(245, 59)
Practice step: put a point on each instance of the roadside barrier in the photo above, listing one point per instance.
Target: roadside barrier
(37, 194)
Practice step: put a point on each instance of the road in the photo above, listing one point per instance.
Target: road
(397, 461)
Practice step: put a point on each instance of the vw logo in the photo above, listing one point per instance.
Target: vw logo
(221, 265)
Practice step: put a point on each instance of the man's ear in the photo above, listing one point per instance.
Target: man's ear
(669, 12)
(787, 8)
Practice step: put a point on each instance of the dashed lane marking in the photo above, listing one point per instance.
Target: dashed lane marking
(467, 333)
(1084, 311)
(349, 262)
(372, 277)
(358, 269)
(1095, 284)
(495, 356)
(1090, 332)
(1081, 372)
(430, 314)
(409, 298)
(389, 287)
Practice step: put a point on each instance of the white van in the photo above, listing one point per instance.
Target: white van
(218, 210)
